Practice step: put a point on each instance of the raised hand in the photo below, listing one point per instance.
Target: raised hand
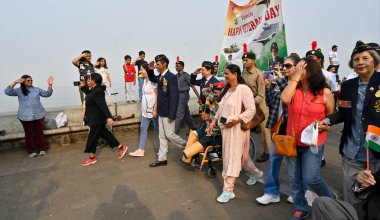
(151, 65)
(21, 80)
(50, 80)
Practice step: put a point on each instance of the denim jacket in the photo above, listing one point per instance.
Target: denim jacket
(30, 107)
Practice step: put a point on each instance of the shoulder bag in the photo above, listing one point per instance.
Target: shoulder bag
(283, 144)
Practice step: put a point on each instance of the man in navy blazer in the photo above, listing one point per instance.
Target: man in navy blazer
(207, 78)
(359, 106)
(167, 104)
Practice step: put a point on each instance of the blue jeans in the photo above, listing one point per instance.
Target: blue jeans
(306, 168)
(144, 129)
(141, 83)
(272, 185)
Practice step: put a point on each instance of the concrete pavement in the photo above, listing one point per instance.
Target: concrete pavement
(55, 186)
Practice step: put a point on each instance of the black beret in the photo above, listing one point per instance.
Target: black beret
(207, 64)
(361, 47)
(316, 53)
(180, 63)
(249, 55)
(274, 46)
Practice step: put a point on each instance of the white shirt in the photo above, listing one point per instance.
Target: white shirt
(335, 58)
(104, 73)
(148, 98)
(331, 80)
(352, 75)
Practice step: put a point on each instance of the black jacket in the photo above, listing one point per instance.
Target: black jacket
(97, 110)
(168, 94)
(201, 84)
(347, 107)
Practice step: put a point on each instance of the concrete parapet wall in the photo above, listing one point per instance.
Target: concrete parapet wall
(75, 131)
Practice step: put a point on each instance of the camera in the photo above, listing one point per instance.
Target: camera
(223, 120)
(76, 83)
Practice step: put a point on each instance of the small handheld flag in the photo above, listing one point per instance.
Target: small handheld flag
(372, 140)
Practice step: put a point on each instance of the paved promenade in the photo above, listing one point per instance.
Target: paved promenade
(56, 187)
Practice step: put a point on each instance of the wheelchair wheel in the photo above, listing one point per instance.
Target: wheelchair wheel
(252, 147)
(211, 172)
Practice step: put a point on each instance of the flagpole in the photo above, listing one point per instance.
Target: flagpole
(367, 155)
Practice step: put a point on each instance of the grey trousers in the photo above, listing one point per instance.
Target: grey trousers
(325, 208)
(183, 113)
(351, 168)
(166, 132)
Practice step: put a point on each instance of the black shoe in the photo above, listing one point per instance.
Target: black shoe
(264, 157)
(159, 163)
(323, 162)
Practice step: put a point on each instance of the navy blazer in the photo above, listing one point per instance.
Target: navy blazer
(347, 107)
(168, 95)
(97, 111)
(201, 83)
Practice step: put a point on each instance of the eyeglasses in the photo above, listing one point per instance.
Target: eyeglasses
(30, 80)
(288, 65)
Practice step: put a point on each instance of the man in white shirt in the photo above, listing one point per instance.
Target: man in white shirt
(334, 58)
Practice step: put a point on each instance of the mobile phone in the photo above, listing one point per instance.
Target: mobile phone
(268, 75)
(76, 83)
(223, 120)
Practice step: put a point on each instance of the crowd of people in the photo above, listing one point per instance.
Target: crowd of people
(295, 94)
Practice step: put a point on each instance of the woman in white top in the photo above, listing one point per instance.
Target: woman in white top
(148, 110)
(102, 69)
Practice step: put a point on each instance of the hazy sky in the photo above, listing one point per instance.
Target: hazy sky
(41, 37)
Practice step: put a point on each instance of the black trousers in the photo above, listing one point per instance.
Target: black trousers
(93, 137)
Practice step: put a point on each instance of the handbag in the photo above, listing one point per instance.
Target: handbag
(284, 145)
(256, 120)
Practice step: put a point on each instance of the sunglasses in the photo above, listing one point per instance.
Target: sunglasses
(30, 80)
(288, 65)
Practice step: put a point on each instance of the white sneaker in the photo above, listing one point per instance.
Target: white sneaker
(266, 199)
(254, 177)
(225, 196)
(33, 155)
(42, 153)
(290, 200)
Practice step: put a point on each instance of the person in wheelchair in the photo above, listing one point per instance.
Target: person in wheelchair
(198, 139)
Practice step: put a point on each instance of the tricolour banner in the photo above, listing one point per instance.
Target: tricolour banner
(260, 25)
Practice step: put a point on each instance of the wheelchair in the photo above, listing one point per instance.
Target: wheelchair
(213, 154)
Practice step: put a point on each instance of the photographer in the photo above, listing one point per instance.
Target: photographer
(85, 67)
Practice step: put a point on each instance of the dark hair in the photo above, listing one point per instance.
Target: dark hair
(24, 90)
(141, 53)
(315, 78)
(98, 79)
(84, 59)
(330, 67)
(99, 60)
(145, 66)
(235, 69)
(334, 46)
(126, 57)
(294, 57)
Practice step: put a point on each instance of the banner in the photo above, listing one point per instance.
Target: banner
(260, 25)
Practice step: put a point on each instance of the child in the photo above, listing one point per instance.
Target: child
(129, 78)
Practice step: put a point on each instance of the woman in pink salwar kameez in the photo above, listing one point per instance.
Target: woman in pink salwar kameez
(235, 141)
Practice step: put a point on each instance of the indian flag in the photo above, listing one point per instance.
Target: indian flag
(373, 138)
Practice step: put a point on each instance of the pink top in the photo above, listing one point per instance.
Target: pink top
(303, 111)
